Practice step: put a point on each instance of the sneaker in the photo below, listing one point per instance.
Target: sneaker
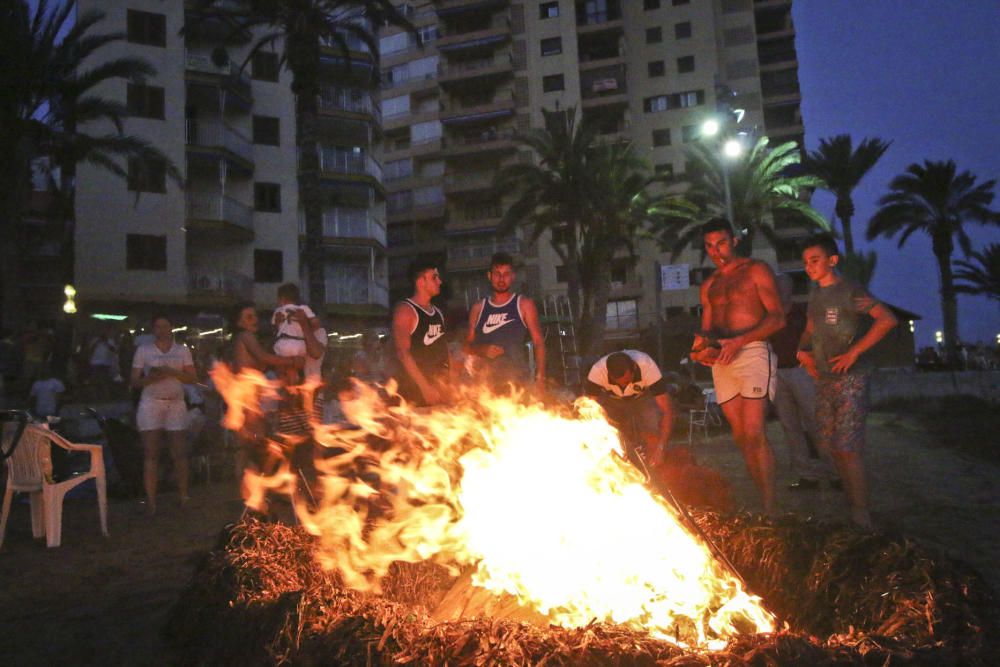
(804, 484)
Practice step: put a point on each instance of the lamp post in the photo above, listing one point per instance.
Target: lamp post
(731, 149)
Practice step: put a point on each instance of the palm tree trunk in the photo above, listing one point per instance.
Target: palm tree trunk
(16, 174)
(949, 304)
(845, 211)
(596, 323)
(310, 195)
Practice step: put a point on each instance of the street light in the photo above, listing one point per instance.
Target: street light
(732, 148)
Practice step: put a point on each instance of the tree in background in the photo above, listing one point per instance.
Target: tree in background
(982, 274)
(934, 199)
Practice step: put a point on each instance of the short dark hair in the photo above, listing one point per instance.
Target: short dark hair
(501, 259)
(717, 225)
(419, 265)
(823, 241)
(619, 363)
(234, 326)
(289, 292)
(159, 316)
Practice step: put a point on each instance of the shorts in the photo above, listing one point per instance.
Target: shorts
(750, 375)
(155, 414)
(841, 411)
(290, 347)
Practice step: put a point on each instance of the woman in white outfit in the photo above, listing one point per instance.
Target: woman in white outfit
(161, 369)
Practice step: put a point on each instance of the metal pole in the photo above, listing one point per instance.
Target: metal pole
(728, 194)
(658, 278)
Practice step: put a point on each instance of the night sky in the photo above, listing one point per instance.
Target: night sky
(926, 75)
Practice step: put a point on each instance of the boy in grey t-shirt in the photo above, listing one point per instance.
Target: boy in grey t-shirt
(831, 350)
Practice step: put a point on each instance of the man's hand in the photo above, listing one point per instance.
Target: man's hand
(431, 395)
(808, 362)
(730, 347)
(657, 455)
(702, 351)
(843, 362)
(492, 351)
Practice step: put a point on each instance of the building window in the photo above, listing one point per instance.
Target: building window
(677, 3)
(654, 35)
(622, 315)
(264, 66)
(267, 197)
(145, 252)
(266, 131)
(268, 266)
(656, 68)
(553, 82)
(682, 30)
(145, 101)
(552, 46)
(147, 175)
(661, 137)
(548, 10)
(650, 4)
(147, 28)
(654, 104)
(689, 133)
(690, 99)
(685, 64)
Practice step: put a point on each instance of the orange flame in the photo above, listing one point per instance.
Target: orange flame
(540, 503)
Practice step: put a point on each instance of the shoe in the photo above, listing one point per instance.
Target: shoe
(837, 484)
(804, 484)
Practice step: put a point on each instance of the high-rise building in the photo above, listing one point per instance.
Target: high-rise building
(235, 229)
(646, 71)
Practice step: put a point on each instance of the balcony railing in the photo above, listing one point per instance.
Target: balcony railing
(217, 206)
(467, 67)
(349, 162)
(477, 138)
(356, 292)
(348, 100)
(470, 180)
(225, 284)
(598, 17)
(238, 77)
(343, 222)
(216, 134)
(482, 251)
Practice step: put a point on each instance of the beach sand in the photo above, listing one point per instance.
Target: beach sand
(97, 600)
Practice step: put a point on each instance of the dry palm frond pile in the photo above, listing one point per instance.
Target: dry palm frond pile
(847, 597)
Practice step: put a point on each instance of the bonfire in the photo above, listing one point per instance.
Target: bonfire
(502, 531)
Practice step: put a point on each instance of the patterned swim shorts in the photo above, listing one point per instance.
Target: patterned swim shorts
(841, 410)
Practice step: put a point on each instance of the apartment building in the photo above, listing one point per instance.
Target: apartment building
(646, 71)
(234, 231)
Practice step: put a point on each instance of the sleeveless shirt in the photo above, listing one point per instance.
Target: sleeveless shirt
(429, 349)
(504, 326)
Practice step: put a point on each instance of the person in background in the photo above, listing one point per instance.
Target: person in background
(103, 362)
(45, 393)
(161, 369)
(832, 350)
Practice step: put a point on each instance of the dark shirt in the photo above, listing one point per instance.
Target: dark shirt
(786, 342)
(429, 349)
(838, 320)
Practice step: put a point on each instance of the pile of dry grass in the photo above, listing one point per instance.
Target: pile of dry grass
(261, 599)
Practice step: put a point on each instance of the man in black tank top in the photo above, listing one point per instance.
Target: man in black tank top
(423, 365)
(499, 326)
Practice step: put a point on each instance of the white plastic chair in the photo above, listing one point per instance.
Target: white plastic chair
(29, 470)
(700, 419)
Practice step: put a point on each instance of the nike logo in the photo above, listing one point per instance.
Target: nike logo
(434, 332)
(494, 322)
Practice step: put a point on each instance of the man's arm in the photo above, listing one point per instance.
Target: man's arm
(884, 323)
(488, 351)
(530, 314)
(805, 354)
(700, 350)
(666, 405)
(404, 321)
(314, 348)
(772, 322)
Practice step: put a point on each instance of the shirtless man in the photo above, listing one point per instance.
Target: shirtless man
(741, 309)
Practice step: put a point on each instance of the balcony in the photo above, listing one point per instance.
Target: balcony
(340, 161)
(598, 85)
(352, 292)
(485, 141)
(422, 204)
(350, 223)
(457, 111)
(220, 137)
(229, 75)
(208, 286)
(475, 255)
(455, 7)
(458, 38)
(219, 215)
(599, 21)
(470, 181)
(493, 67)
(350, 100)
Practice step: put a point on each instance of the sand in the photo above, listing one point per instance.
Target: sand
(97, 600)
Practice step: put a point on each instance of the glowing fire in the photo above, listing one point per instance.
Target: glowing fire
(541, 504)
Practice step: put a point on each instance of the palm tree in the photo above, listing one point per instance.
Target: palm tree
(302, 28)
(594, 200)
(760, 185)
(981, 276)
(858, 266)
(52, 104)
(934, 199)
(841, 168)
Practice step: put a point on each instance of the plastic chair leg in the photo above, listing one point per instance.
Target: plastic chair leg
(102, 503)
(37, 514)
(8, 494)
(53, 501)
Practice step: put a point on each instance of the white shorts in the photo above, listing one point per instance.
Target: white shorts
(750, 375)
(290, 347)
(156, 414)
